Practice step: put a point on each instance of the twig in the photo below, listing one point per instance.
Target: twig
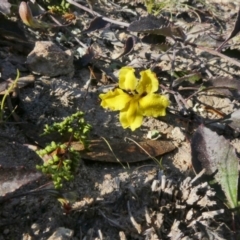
(199, 175)
(203, 90)
(214, 52)
(133, 221)
(12, 110)
(189, 52)
(161, 55)
(97, 14)
(113, 222)
(59, 24)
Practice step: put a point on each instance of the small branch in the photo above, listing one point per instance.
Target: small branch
(136, 225)
(214, 52)
(59, 24)
(124, 24)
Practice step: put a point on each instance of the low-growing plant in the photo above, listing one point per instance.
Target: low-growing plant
(60, 159)
(58, 6)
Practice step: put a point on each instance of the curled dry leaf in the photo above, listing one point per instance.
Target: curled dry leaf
(25, 14)
(96, 24)
(27, 18)
(129, 45)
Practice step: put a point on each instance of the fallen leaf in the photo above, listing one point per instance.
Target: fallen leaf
(234, 32)
(158, 26)
(191, 77)
(129, 45)
(96, 24)
(22, 82)
(234, 120)
(27, 18)
(12, 179)
(225, 86)
(218, 157)
(124, 151)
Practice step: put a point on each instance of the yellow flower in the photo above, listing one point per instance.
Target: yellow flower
(135, 98)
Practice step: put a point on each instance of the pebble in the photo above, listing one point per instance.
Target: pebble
(49, 60)
(6, 231)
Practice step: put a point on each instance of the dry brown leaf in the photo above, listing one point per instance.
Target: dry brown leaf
(125, 152)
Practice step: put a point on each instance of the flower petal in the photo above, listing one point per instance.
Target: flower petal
(154, 105)
(127, 79)
(131, 116)
(115, 100)
(148, 82)
(123, 119)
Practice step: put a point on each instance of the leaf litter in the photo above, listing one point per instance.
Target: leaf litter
(136, 201)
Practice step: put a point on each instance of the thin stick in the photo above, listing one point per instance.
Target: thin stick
(97, 14)
(59, 24)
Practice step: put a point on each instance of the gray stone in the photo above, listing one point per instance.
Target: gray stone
(49, 60)
(6, 231)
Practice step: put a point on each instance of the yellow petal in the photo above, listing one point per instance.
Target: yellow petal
(131, 116)
(123, 119)
(127, 79)
(115, 100)
(148, 82)
(154, 105)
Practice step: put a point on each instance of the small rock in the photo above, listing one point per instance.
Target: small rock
(26, 236)
(61, 233)
(49, 60)
(36, 228)
(6, 231)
